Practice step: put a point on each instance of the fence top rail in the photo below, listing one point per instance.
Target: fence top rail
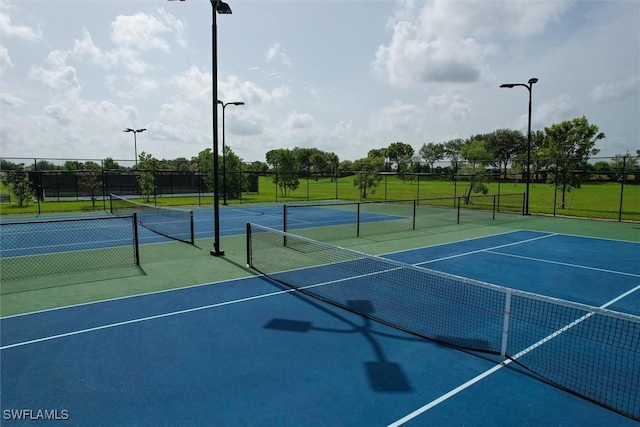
(53, 220)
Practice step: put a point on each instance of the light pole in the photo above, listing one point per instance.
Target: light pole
(135, 140)
(222, 8)
(224, 156)
(529, 86)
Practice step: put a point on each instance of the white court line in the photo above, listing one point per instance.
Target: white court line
(504, 363)
(190, 310)
(565, 264)
(487, 249)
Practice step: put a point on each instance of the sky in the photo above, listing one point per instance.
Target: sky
(343, 76)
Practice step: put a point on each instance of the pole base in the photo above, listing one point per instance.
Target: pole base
(214, 252)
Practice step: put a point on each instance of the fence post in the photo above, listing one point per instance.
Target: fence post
(415, 203)
(624, 163)
(358, 221)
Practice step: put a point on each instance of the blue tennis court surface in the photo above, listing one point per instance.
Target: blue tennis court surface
(252, 352)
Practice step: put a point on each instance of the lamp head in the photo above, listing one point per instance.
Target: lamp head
(237, 103)
(223, 8)
(128, 130)
(533, 80)
(508, 85)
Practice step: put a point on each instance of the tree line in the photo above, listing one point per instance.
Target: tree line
(556, 152)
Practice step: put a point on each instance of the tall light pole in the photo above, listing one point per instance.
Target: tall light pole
(224, 156)
(222, 8)
(529, 86)
(135, 140)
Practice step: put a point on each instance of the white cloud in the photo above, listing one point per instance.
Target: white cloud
(143, 31)
(275, 51)
(555, 110)
(56, 74)
(450, 106)
(620, 89)
(397, 116)
(5, 59)
(19, 31)
(452, 41)
(234, 89)
(297, 120)
(195, 84)
(11, 99)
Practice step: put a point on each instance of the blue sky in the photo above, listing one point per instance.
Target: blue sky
(341, 76)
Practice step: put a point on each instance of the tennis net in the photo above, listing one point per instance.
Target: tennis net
(589, 351)
(173, 223)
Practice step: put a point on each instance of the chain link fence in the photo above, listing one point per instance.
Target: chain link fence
(605, 188)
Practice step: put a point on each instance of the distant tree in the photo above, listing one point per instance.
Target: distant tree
(205, 166)
(145, 175)
(367, 175)
(381, 155)
(90, 185)
(333, 161)
(73, 165)
(432, 153)
(478, 157)
(504, 145)
(17, 181)
(236, 182)
(287, 169)
(110, 164)
(401, 154)
(6, 165)
(569, 145)
(44, 165)
(452, 150)
(625, 165)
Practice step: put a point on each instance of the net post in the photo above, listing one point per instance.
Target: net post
(284, 224)
(136, 241)
(248, 242)
(415, 203)
(111, 202)
(193, 234)
(458, 200)
(523, 203)
(284, 218)
(505, 324)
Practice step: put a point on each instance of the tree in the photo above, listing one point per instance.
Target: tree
(205, 166)
(452, 152)
(110, 164)
(568, 145)
(504, 145)
(333, 161)
(400, 154)
(624, 165)
(17, 181)
(236, 182)
(287, 170)
(367, 175)
(90, 185)
(145, 174)
(431, 153)
(478, 157)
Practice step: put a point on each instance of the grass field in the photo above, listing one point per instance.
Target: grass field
(593, 200)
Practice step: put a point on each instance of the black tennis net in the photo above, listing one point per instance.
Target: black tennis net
(589, 351)
(173, 223)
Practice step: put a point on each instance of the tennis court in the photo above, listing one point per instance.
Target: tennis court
(252, 351)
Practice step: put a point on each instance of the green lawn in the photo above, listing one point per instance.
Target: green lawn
(593, 200)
